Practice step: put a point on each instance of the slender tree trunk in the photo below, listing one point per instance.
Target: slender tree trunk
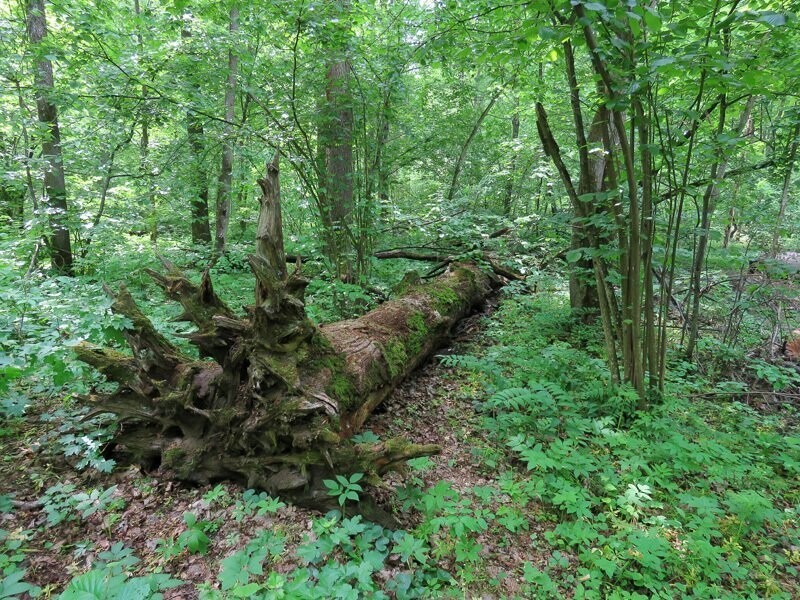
(226, 171)
(509, 195)
(647, 225)
(201, 232)
(451, 192)
(55, 187)
(787, 182)
(144, 144)
(709, 201)
(731, 228)
(379, 179)
(29, 185)
(104, 187)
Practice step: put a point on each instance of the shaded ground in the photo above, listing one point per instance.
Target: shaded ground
(145, 514)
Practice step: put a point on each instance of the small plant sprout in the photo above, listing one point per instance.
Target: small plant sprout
(344, 489)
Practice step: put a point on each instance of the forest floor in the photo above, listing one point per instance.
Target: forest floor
(146, 515)
(550, 484)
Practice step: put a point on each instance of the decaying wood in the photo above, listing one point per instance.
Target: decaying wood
(273, 400)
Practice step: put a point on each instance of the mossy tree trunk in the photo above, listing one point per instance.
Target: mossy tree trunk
(274, 399)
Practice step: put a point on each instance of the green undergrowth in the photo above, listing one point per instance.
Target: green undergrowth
(695, 498)
(692, 499)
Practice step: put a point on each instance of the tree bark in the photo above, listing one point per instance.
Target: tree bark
(337, 154)
(201, 232)
(226, 171)
(509, 194)
(198, 205)
(275, 407)
(55, 187)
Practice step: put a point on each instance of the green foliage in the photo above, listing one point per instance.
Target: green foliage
(365, 437)
(12, 554)
(259, 503)
(681, 499)
(194, 539)
(237, 569)
(344, 488)
(60, 504)
(109, 579)
(342, 558)
(333, 300)
(695, 498)
(217, 495)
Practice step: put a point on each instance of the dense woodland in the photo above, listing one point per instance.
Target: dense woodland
(399, 299)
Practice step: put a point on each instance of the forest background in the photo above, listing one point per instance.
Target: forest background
(629, 166)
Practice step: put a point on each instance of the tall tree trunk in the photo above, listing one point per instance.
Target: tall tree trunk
(630, 232)
(55, 187)
(198, 204)
(337, 156)
(201, 232)
(650, 339)
(226, 171)
(144, 144)
(509, 195)
(276, 407)
(584, 294)
(787, 182)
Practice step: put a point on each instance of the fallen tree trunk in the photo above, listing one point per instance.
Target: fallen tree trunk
(273, 400)
(443, 260)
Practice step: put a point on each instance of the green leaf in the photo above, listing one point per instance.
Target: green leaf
(574, 256)
(12, 585)
(652, 19)
(595, 6)
(662, 62)
(134, 589)
(195, 540)
(772, 19)
(246, 591)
